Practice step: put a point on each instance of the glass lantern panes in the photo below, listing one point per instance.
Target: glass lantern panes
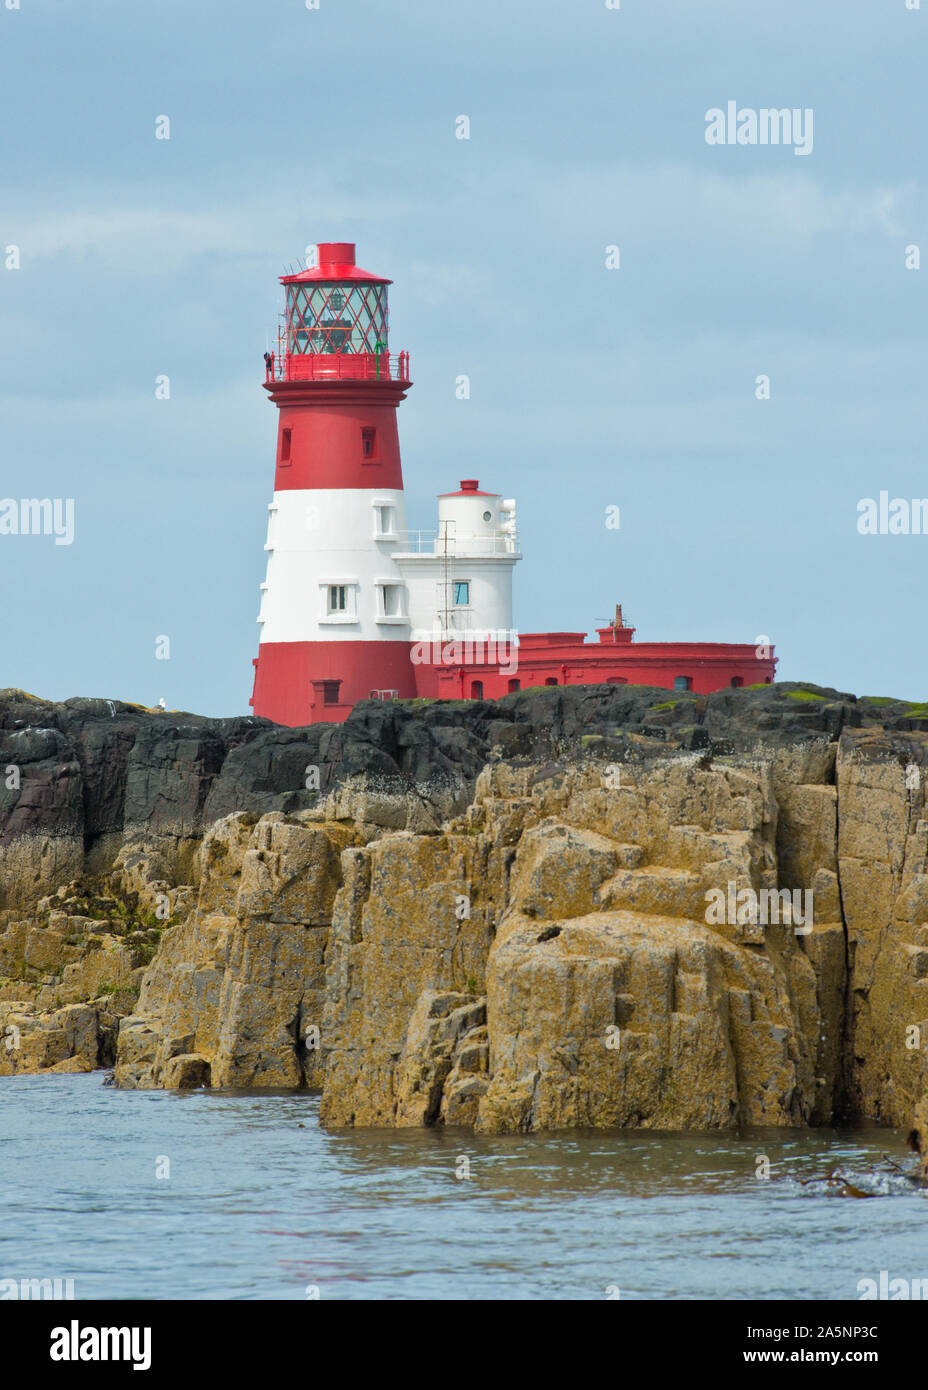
(342, 318)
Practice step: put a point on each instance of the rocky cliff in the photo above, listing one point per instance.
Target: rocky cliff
(493, 914)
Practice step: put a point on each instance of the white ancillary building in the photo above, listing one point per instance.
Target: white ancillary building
(459, 585)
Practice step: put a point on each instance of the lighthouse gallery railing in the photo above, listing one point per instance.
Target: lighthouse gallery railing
(340, 366)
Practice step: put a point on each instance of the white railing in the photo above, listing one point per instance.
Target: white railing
(415, 542)
(430, 543)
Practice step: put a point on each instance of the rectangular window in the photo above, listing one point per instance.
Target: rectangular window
(330, 692)
(285, 446)
(338, 598)
(368, 442)
(383, 520)
(461, 591)
(683, 682)
(392, 600)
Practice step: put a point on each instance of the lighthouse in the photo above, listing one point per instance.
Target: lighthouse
(354, 606)
(334, 617)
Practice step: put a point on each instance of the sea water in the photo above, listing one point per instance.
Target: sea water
(242, 1195)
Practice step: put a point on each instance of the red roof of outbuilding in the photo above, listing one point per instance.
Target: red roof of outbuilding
(469, 488)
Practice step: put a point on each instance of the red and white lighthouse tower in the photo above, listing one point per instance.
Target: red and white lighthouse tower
(334, 613)
(353, 606)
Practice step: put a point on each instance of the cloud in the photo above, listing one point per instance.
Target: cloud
(756, 211)
(155, 240)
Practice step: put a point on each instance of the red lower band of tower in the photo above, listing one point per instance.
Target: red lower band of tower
(299, 683)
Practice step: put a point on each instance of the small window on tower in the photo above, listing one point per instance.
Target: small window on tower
(338, 598)
(383, 520)
(330, 692)
(392, 600)
(461, 592)
(368, 442)
(285, 446)
(683, 682)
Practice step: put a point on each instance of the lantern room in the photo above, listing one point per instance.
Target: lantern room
(336, 322)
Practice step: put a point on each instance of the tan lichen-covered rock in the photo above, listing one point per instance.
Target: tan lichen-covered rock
(560, 868)
(883, 860)
(291, 872)
(33, 1041)
(416, 914)
(178, 1006)
(468, 1078)
(73, 1064)
(68, 959)
(139, 1046)
(273, 978)
(36, 864)
(63, 959)
(536, 955)
(603, 883)
(918, 1135)
(142, 869)
(185, 1072)
(620, 1020)
(179, 997)
(436, 1027)
(807, 833)
(241, 983)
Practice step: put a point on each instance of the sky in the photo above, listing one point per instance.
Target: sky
(591, 387)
